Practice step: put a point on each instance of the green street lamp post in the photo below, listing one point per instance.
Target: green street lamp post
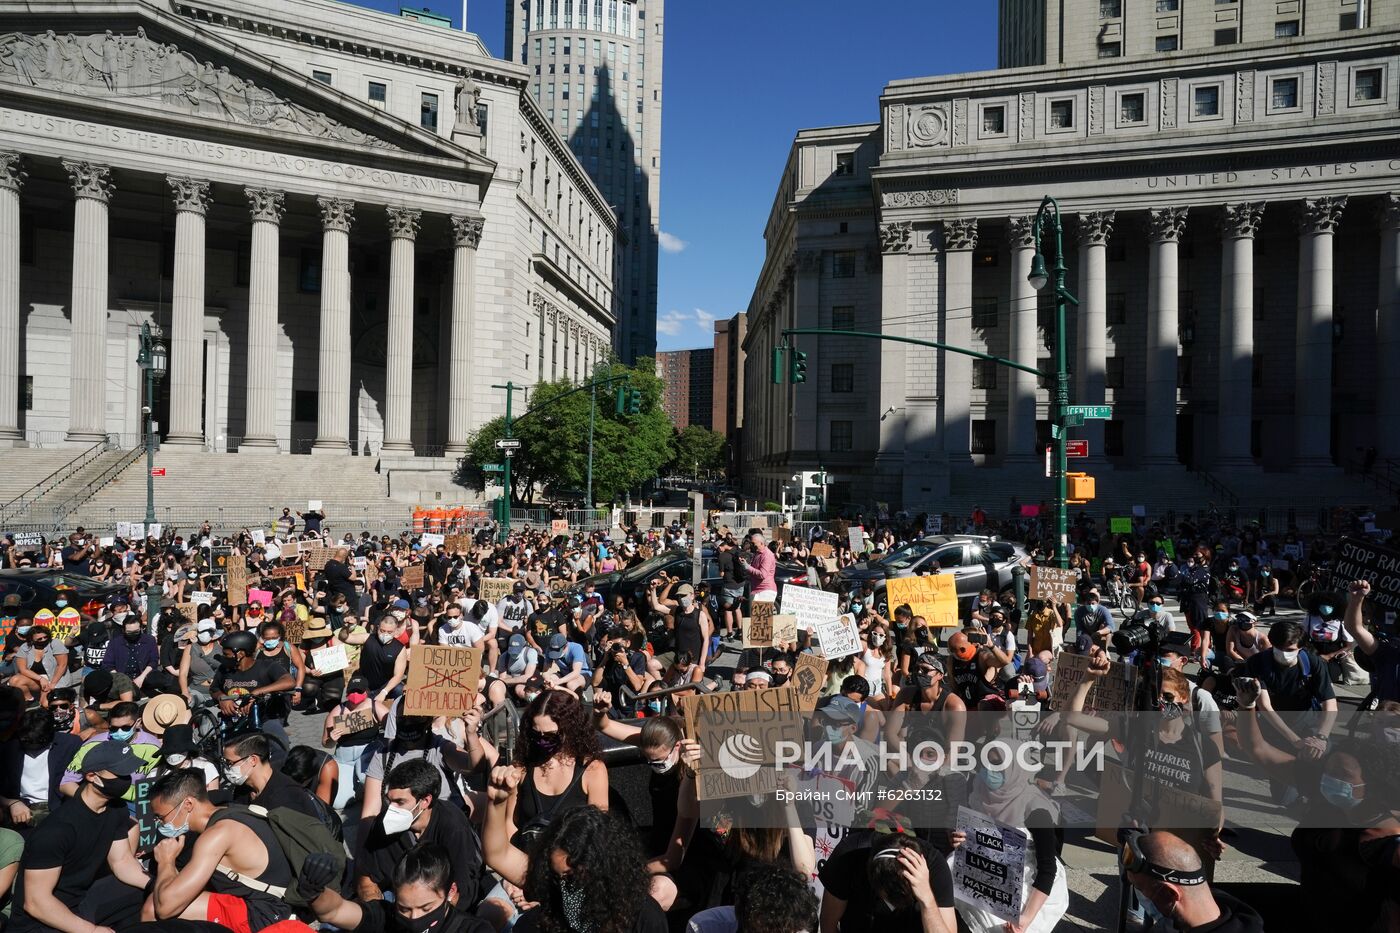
(152, 359)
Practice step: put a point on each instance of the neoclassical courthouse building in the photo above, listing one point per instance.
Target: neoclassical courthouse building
(1231, 213)
(346, 225)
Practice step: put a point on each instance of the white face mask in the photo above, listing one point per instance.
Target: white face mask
(667, 763)
(175, 760)
(1286, 658)
(120, 617)
(234, 775)
(399, 614)
(396, 819)
(385, 637)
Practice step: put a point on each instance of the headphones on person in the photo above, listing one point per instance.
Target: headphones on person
(1131, 858)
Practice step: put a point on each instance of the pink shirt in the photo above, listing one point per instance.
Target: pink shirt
(761, 568)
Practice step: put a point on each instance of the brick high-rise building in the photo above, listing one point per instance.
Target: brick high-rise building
(728, 394)
(688, 377)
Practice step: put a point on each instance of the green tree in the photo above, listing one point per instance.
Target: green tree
(698, 450)
(553, 454)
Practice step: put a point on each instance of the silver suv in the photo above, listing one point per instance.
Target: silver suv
(977, 562)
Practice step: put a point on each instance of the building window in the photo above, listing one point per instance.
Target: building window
(378, 92)
(1168, 6)
(1110, 9)
(984, 312)
(993, 121)
(984, 374)
(323, 76)
(843, 377)
(1256, 371)
(1117, 308)
(1131, 108)
(1183, 372)
(309, 272)
(26, 400)
(841, 436)
(1113, 372)
(1367, 84)
(845, 163)
(304, 405)
(1286, 29)
(1168, 43)
(1348, 21)
(1113, 438)
(428, 112)
(984, 437)
(1047, 367)
(1205, 101)
(1283, 94)
(843, 317)
(1110, 50)
(843, 264)
(1225, 36)
(1061, 114)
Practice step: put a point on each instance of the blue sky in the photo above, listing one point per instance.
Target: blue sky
(741, 77)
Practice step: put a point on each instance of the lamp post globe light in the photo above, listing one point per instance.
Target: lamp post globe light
(153, 360)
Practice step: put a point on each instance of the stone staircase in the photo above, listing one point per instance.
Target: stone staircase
(22, 468)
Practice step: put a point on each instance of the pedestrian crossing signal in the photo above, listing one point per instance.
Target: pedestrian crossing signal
(1081, 488)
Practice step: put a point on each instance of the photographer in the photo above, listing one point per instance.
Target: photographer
(622, 672)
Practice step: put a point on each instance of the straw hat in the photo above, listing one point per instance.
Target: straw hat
(162, 712)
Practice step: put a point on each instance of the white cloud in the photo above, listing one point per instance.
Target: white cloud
(670, 243)
(673, 323)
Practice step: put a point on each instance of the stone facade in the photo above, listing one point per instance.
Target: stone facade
(1234, 308)
(341, 229)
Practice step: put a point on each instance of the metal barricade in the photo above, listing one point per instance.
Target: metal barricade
(589, 520)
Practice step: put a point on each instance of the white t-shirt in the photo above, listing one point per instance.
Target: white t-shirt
(465, 634)
(34, 780)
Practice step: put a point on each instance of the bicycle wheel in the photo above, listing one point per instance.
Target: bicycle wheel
(1303, 590)
(1128, 604)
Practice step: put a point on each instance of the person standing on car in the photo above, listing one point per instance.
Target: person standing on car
(692, 624)
(732, 578)
(761, 567)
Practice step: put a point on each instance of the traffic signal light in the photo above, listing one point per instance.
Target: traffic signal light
(634, 402)
(621, 406)
(798, 371)
(1081, 488)
(777, 366)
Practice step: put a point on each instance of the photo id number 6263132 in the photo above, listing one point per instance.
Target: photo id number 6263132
(910, 793)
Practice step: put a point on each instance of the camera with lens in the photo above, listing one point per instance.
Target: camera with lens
(1138, 633)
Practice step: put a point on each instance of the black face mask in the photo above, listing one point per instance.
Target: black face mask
(133, 637)
(780, 679)
(545, 745)
(114, 788)
(923, 681)
(401, 924)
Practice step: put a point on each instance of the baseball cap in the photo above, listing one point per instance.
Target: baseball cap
(841, 708)
(558, 644)
(118, 600)
(516, 646)
(111, 756)
(518, 587)
(12, 599)
(685, 589)
(399, 604)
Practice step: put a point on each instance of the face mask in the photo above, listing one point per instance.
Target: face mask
(1171, 710)
(686, 603)
(176, 760)
(60, 603)
(396, 819)
(399, 614)
(1265, 573)
(355, 699)
(271, 644)
(1246, 625)
(1324, 610)
(1286, 658)
(385, 637)
(1222, 616)
(132, 637)
(234, 775)
(876, 640)
(1391, 734)
(340, 609)
(1093, 604)
(204, 638)
(547, 743)
(923, 681)
(171, 831)
(665, 764)
(23, 629)
(571, 898)
(121, 735)
(421, 924)
(453, 621)
(780, 679)
(113, 788)
(119, 617)
(993, 779)
(833, 734)
(63, 720)
(1339, 793)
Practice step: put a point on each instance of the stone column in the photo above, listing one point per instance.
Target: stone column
(1236, 399)
(12, 177)
(187, 312)
(1312, 393)
(1021, 345)
(1165, 227)
(1091, 356)
(896, 243)
(398, 378)
(959, 240)
(1388, 331)
(466, 237)
(260, 418)
(333, 371)
(92, 188)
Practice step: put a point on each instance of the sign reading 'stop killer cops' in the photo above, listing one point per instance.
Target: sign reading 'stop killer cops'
(1361, 559)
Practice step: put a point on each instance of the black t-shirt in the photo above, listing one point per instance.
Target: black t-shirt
(75, 840)
(665, 791)
(337, 579)
(264, 673)
(448, 827)
(1289, 690)
(844, 876)
(379, 917)
(281, 791)
(731, 573)
(650, 919)
(72, 562)
(92, 641)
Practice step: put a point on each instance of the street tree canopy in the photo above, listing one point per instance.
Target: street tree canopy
(697, 450)
(627, 449)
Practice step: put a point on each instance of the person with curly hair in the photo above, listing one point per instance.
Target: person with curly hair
(767, 900)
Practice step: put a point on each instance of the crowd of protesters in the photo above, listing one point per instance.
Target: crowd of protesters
(171, 696)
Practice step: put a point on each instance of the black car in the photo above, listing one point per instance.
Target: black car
(976, 562)
(38, 589)
(634, 581)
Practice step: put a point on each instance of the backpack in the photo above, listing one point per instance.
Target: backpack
(298, 836)
(1305, 660)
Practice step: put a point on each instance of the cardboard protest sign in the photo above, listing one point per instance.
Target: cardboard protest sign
(106, 541)
(219, 557)
(559, 526)
(1054, 583)
(784, 629)
(1120, 526)
(283, 573)
(494, 589)
(357, 721)
(293, 630)
(838, 637)
(330, 659)
(457, 544)
(988, 866)
(838, 527)
(933, 596)
(259, 536)
(758, 626)
(782, 534)
(66, 625)
(317, 557)
(442, 680)
(202, 598)
(855, 536)
(738, 732)
(413, 577)
(429, 539)
(1030, 511)
(1111, 693)
(1139, 511)
(809, 604)
(821, 550)
(361, 563)
(808, 679)
(313, 505)
(237, 582)
(124, 530)
(1360, 559)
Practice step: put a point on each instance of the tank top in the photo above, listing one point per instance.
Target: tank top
(689, 636)
(532, 802)
(874, 672)
(264, 909)
(377, 662)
